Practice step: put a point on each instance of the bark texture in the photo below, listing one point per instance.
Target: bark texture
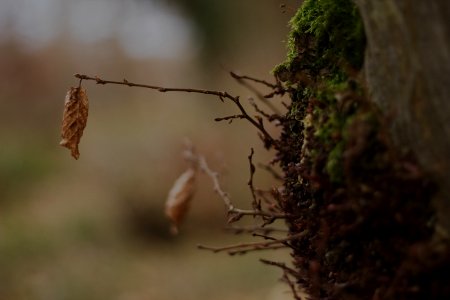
(407, 67)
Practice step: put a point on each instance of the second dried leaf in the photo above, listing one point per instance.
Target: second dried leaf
(179, 198)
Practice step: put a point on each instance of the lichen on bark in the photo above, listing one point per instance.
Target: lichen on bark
(364, 205)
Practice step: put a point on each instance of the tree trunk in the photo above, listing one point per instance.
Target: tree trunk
(407, 67)
(365, 148)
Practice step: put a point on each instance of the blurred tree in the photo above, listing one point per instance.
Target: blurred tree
(212, 21)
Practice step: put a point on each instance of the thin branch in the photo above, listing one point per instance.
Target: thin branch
(269, 141)
(287, 106)
(277, 88)
(271, 204)
(265, 236)
(216, 185)
(291, 284)
(241, 248)
(246, 247)
(254, 229)
(245, 77)
(244, 251)
(98, 80)
(222, 95)
(286, 272)
(241, 79)
(229, 118)
(256, 203)
(282, 266)
(275, 93)
(234, 213)
(261, 112)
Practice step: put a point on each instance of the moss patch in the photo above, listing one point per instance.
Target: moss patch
(325, 36)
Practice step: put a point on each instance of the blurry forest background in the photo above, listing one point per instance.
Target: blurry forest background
(95, 228)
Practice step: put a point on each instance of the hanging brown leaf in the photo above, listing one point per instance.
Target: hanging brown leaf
(75, 116)
(179, 198)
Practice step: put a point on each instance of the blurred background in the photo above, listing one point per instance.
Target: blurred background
(95, 228)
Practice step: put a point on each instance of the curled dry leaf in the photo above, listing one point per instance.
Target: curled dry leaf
(179, 198)
(74, 121)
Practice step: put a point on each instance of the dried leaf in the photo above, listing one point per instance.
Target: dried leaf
(75, 116)
(179, 198)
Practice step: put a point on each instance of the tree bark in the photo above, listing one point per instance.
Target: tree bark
(407, 68)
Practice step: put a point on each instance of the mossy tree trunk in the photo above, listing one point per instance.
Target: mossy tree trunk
(365, 148)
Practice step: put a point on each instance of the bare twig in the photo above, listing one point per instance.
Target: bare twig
(291, 284)
(234, 213)
(229, 118)
(260, 111)
(242, 248)
(275, 93)
(255, 229)
(282, 266)
(98, 80)
(269, 141)
(277, 88)
(264, 236)
(247, 247)
(287, 106)
(271, 204)
(245, 77)
(287, 271)
(256, 203)
(241, 79)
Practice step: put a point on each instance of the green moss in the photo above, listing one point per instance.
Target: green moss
(337, 26)
(324, 34)
(326, 41)
(334, 166)
(329, 131)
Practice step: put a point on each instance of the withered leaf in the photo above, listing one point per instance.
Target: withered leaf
(76, 108)
(179, 198)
